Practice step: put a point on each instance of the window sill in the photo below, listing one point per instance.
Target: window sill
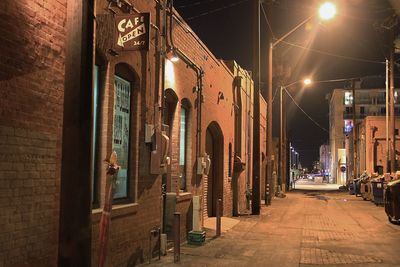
(184, 196)
(118, 210)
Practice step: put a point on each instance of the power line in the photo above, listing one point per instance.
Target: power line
(305, 113)
(266, 19)
(195, 4)
(216, 10)
(333, 55)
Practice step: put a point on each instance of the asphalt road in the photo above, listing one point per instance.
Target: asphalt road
(307, 228)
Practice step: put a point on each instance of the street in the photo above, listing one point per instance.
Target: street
(307, 228)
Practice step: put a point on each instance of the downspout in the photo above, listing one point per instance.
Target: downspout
(199, 74)
(161, 103)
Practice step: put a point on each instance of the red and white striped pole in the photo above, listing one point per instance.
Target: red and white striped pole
(112, 172)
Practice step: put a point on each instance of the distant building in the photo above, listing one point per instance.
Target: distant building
(372, 145)
(325, 159)
(370, 100)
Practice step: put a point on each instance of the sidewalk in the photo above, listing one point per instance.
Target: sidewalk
(304, 229)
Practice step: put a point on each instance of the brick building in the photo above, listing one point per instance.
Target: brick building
(370, 101)
(371, 145)
(161, 117)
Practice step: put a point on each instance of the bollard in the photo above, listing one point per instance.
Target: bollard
(267, 196)
(218, 217)
(177, 237)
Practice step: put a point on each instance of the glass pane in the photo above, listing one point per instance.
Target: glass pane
(122, 89)
(182, 149)
(95, 112)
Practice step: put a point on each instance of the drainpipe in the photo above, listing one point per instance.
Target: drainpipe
(199, 74)
(199, 83)
(161, 103)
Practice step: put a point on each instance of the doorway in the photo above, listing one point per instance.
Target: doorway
(215, 149)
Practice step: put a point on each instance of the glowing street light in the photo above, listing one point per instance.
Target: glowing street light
(327, 11)
(307, 81)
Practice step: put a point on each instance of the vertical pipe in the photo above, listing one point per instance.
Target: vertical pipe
(218, 217)
(159, 242)
(177, 237)
(255, 203)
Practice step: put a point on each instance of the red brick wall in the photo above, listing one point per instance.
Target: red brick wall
(32, 37)
(132, 219)
(31, 106)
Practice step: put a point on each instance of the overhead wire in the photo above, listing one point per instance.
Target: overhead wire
(332, 54)
(267, 20)
(195, 4)
(305, 113)
(216, 10)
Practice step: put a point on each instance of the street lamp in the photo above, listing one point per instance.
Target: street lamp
(306, 82)
(327, 11)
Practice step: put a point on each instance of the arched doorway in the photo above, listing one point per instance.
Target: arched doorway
(215, 149)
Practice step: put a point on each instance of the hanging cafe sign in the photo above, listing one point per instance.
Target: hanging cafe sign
(132, 32)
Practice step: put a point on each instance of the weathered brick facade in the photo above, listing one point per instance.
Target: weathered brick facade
(31, 87)
(31, 112)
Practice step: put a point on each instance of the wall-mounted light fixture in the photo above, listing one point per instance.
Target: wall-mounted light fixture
(172, 55)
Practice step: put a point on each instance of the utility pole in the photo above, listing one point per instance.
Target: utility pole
(387, 118)
(392, 115)
(255, 203)
(75, 225)
(270, 153)
(353, 87)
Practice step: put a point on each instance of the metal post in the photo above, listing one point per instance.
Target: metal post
(177, 237)
(255, 203)
(218, 217)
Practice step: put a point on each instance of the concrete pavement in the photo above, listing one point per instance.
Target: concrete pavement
(307, 228)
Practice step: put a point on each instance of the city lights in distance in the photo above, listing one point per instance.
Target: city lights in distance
(327, 11)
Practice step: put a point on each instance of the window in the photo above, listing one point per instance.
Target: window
(348, 126)
(383, 111)
(120, 137)
(182, 146)
(349, 110)
(362, 110)
(348, 98)
(95, 125)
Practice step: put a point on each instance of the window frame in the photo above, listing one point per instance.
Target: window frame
(184, 171)
(129, 147)
(95, 142)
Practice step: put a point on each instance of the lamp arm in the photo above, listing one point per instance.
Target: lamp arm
(293, 30)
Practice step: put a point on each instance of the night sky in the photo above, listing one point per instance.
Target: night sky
(353, 44)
